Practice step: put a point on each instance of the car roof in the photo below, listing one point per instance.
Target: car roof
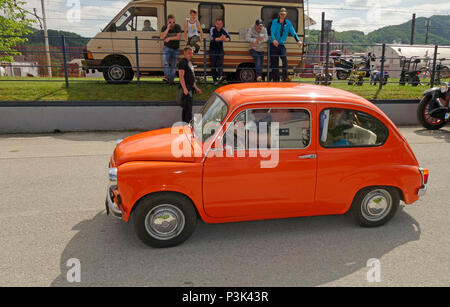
(240, 93)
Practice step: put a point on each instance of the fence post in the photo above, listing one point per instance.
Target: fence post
(268, 61)
(433, 72)
(383, 54)
(66, 74)
(327, 62)
(204, 60)
(138, 72)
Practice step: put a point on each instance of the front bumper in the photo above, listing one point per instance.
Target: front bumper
(87, 64)
(111, 206)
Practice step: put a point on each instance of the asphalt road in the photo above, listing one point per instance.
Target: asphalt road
(52, 191)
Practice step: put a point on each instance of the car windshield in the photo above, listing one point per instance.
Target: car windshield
(213, 113)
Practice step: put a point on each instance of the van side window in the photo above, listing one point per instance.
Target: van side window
(207, 14)
(138, 19)
(269, 13)
(350, 128)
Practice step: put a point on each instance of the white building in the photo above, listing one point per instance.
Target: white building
(21, 69)
(395, 52)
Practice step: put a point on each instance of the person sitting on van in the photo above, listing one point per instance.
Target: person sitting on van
(193, 32)
(257, 36)
(280, 29)
(218, 35)
(171, 34)
(147, 26)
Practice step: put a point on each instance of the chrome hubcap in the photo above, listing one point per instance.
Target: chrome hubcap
(116, 72)
(376, 205)
(247, 75)
(164, 222)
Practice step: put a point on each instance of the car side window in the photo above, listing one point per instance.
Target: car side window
(350, 128)
(138, 19)
(269, 128)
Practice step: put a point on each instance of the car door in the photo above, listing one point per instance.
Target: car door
(248, 178)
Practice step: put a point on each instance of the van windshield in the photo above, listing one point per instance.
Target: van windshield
(212, 116)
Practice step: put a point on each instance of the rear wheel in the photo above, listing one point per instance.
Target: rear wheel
(342, 75)
(246, 74)
(164, 220)
(374, 206)
(118, 71)
(423, 115)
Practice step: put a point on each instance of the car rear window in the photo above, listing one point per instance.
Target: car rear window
(350, 128)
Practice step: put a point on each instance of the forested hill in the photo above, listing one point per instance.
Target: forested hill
(439, 33)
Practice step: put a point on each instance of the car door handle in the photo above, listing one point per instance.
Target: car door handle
(313, 156)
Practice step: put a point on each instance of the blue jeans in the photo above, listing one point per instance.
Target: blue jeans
(170, 58)
(275, 54)
(258, 56)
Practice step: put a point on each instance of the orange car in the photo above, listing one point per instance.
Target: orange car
(264, 151)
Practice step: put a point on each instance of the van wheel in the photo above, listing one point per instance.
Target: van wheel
(246, 74)
(374, 206)
(118, 71)
(164, 220)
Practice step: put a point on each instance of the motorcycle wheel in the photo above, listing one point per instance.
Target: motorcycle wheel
(415, 81)
(424, 117)
(342, 75)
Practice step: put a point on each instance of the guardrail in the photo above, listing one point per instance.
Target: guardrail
(315, 60)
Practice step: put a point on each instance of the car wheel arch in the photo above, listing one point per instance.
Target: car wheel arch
(389, 186)
(176, 193)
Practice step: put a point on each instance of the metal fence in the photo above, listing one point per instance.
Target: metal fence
(314, 63)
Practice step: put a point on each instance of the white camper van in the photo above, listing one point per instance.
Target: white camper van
(113, 51)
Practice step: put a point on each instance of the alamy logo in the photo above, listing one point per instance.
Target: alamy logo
(374, 273)
(74, 272)
(74, 12)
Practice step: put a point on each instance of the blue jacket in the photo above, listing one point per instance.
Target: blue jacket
(280, 31)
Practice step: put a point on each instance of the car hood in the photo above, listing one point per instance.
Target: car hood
(156, 145)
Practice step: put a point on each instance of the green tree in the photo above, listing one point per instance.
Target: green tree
(14, 25)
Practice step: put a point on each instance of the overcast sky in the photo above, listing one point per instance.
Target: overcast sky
(363, 15)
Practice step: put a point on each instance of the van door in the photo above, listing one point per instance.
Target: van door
(143, 21)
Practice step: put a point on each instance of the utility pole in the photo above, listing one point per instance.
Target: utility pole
(47, 48)
(413, 26)
(322, 36)
(428, 30)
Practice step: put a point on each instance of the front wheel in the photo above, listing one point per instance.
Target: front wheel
(374, 206)
(118, 72)
(424, 117)
(164, 220)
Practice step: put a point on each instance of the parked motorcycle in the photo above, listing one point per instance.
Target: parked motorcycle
(341, 66)
(434, 109)
(410, 73)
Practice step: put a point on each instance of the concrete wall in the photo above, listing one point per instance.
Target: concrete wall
(42, 117)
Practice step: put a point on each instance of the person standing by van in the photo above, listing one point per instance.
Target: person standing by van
(171, 34)
(279, 30)
(187, 84)
(218, 35)
(256, 37)
(193, 32)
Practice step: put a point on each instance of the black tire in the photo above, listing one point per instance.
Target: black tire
(427, 124)
(372, 217)
(342, 75)
(415, 81)
(118, 71)
(168, 206)
(246, 74)
(350, 82)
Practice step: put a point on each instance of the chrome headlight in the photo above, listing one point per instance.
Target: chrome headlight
(112, 173)
(444, 88)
